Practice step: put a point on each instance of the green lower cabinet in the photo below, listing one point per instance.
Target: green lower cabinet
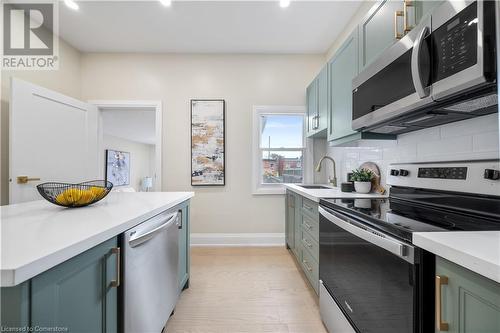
(184, 248)
(470, 303)
(302, 234)
(78, 294)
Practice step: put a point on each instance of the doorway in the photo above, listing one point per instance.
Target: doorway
(133, 131)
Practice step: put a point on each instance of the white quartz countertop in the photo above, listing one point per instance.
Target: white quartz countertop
(478, 251)
(331, 192)
(37, 235)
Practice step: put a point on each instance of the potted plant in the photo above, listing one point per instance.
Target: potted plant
(362, 179)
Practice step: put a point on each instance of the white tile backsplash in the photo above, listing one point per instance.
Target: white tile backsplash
(465, 140)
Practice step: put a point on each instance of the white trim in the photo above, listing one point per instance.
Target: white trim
(131, 105)
(245, 239)
(258, 111)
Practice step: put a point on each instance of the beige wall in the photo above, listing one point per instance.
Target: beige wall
(66, 80)
(243, 81)
(141, 158)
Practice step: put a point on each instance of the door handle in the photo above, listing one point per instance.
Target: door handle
(406, 27)
(398, 13)
(440, 281)
(306, 265)
(26, 179)
(137, 240)
(116, 283)
(415, 72)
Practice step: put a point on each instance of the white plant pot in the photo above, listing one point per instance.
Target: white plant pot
(363, 187)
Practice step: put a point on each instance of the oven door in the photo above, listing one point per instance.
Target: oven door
(462, 46)
(397, 82)
(371, 276)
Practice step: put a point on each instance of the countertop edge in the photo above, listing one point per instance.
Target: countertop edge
(11, 277)
(338, 195)
(471, 262)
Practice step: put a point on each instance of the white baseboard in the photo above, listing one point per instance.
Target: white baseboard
(246, 239)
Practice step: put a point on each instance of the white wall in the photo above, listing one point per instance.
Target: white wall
(141, 158)
(243, 81)
(465, 140)
(65, 80)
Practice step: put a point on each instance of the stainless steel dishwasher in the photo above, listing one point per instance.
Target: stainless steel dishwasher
(150, 273)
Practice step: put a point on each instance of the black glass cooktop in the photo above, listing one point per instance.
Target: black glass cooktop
(414, 210)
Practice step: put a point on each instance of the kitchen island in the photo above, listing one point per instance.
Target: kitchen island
(60, 266)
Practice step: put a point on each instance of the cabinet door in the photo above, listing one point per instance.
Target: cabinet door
(470, 303)
(77, 294)
(343, 68)
(297, 228)
(377, 30)
(184, 248)
(322, 99)
(312, 107)
(290, 220)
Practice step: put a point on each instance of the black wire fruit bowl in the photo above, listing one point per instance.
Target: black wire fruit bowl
(75, 195)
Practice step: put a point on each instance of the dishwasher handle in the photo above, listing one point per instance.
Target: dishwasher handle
(144, 236)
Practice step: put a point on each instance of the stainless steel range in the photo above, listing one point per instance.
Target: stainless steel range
(372, 278)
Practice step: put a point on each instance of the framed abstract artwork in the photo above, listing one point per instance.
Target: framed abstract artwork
(208, 160)
(118, 167)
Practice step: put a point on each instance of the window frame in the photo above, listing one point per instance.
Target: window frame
(259, 188)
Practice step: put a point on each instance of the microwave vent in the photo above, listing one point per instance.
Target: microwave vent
(387, 129)
(474, 104)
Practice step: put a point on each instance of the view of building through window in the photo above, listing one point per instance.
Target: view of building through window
(282, 145)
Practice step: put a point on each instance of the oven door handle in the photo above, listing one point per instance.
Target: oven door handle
(388, 243)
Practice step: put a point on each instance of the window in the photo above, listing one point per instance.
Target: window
(279, 148)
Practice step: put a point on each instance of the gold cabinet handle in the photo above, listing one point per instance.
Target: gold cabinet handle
(25, 179)
(308, 226)
(398, 13)
(309, 245)
(440, 281)
(406, 28)
(116, 283)
(307, 266)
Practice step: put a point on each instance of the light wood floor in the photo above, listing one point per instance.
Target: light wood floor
(251, 290)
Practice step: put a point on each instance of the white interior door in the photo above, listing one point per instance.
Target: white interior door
(52, 137)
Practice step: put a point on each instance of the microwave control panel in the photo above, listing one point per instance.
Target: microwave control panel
(455, 43)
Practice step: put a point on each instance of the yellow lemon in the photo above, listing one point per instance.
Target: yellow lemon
(72, 195)
(86, 197)
(60, 199)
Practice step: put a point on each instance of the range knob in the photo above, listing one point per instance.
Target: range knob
(491, 174)
(404, 172)
(394, 172)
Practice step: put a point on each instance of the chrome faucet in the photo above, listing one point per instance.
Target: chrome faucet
(332, 181)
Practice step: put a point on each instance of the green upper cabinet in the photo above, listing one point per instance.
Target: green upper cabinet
(78, 293)
(317, 105)
(343, 67)
(386, 22)
(469, 302)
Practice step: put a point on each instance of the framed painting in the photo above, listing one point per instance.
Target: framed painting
(118, 167)
(208, 160)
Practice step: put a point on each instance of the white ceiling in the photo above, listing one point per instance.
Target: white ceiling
(132, 125)
(205, 26)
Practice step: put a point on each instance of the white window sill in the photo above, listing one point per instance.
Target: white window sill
(278, 190)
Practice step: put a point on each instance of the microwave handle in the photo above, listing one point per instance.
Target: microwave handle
(415, 73)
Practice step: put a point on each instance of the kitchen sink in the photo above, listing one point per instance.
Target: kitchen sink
(315, 187)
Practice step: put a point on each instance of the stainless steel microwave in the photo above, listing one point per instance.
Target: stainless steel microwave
(444, 70)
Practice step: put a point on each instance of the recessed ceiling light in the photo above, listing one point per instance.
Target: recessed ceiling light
(166, 3)
(284, 3)
(71, 4)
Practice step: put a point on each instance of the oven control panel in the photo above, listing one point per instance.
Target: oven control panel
(443, 173)
(480, 176)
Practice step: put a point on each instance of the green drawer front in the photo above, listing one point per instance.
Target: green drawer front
(310, 207)
(311, 226)
(311, 269)
(310, 244)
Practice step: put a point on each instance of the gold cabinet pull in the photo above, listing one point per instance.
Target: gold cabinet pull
(26, 179)
(116, 283)
(406, 27)
(398, 13)
(440, 281)
(306, 265)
